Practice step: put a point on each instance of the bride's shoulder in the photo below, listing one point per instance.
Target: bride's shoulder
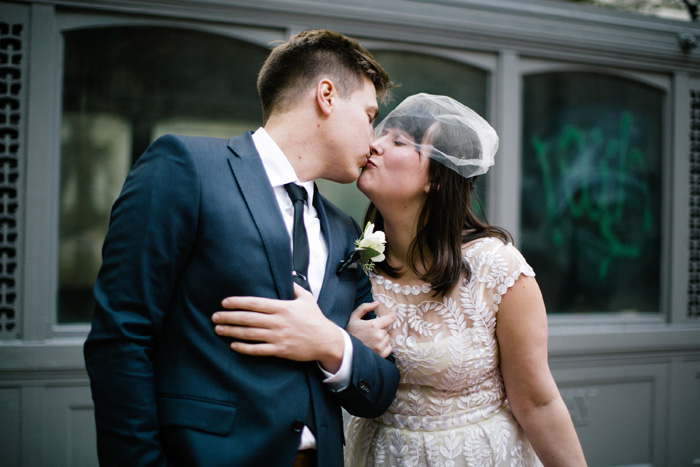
(482, 244)
(492, 252)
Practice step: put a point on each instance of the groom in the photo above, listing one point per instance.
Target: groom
(200, 219)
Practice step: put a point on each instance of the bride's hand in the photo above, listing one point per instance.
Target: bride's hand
(372, 332)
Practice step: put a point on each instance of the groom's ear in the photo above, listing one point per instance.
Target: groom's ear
(326, 94)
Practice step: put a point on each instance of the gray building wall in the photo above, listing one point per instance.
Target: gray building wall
(632, 383)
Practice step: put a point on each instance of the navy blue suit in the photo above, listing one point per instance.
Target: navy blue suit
(197, 221)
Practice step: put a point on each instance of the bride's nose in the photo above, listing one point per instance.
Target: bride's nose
(375, 147)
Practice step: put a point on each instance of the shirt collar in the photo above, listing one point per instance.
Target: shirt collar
(277, 167)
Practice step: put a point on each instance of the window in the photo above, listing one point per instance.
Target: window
(591, 191)
(122, 88)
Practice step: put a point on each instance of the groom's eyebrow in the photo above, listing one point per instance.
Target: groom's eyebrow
(373, 111)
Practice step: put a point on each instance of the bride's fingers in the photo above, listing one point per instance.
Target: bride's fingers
(363, 309)
(386, 350)
(387, 320)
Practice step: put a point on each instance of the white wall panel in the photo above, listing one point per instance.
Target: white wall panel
(618, 412)
(10, 416)
(68, 427)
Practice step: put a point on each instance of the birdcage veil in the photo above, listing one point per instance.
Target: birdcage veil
(447, 131)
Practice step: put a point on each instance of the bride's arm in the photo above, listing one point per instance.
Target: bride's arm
(521, 330)
(372, 332)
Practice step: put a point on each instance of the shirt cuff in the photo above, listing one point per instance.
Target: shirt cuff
(341, 379)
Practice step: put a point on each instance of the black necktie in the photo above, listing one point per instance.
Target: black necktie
(300, 254)
(300, 260)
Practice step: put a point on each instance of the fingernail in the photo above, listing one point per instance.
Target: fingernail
(216, 318)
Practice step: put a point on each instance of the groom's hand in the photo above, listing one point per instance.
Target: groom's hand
(292, 329)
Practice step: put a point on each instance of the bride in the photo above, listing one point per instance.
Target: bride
(470, 334)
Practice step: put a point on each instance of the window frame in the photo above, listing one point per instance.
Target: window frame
(43, 317)
(564, 321)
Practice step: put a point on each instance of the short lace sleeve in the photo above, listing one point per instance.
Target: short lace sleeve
(495, 267)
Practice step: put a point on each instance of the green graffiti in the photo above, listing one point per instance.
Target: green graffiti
(594, 180)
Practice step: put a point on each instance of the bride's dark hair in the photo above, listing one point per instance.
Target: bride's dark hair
(446, 220)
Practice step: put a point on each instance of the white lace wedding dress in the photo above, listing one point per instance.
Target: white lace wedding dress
(450, 408)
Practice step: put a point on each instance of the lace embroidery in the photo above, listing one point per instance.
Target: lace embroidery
(450, 408)
(398, 288)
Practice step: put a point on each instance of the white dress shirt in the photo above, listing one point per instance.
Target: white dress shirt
(280, 172)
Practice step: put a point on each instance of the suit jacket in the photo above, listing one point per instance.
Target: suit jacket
(197, 221)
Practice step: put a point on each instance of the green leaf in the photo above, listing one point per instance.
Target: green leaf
(368, 253)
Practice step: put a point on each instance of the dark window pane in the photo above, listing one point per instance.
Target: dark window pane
(591, 191)
(122, 88)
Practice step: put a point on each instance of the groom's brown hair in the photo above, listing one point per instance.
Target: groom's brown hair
(292, 67)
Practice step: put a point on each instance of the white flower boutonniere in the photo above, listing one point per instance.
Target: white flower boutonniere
(369, 249)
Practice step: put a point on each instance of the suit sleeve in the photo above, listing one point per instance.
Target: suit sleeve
(373, 383)
(151, 231)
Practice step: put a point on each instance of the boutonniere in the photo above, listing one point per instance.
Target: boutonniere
(369, 249)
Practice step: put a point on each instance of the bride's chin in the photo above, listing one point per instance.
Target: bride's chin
(364, 186)
(362, 180)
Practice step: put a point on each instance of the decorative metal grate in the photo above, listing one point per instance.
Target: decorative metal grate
(10, 87)
(694, 250)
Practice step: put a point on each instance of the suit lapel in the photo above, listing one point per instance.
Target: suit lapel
(330, 280)
(259, 196)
